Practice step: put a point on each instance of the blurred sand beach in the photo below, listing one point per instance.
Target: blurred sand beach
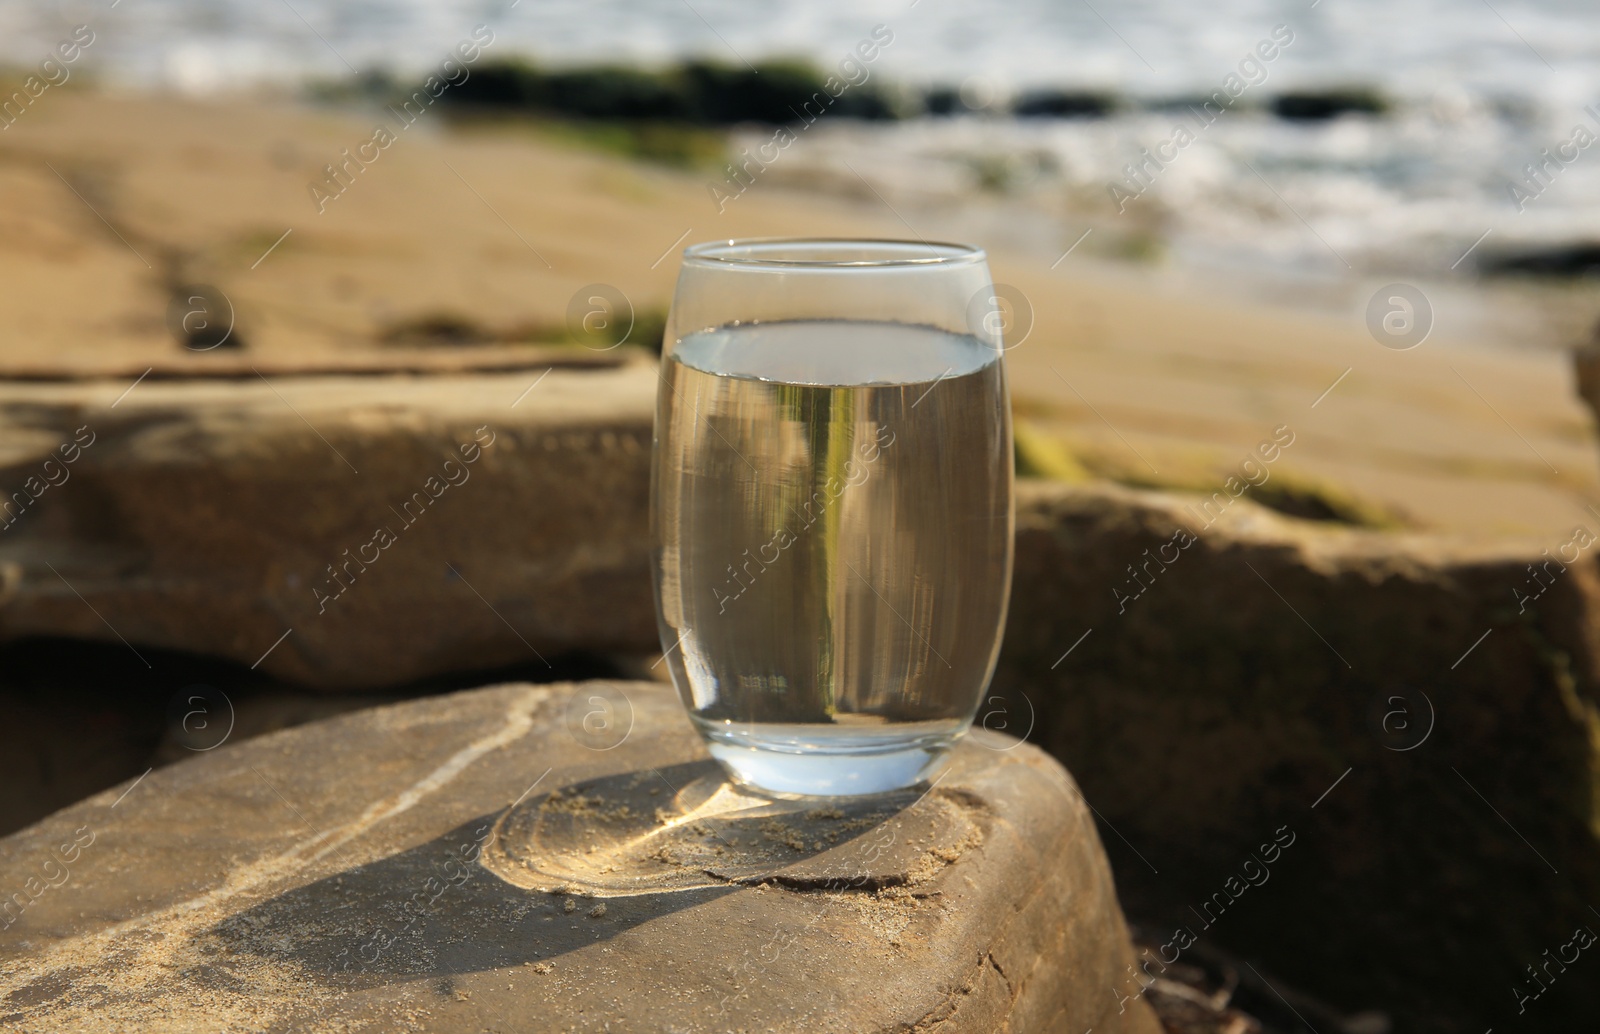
(468, 242)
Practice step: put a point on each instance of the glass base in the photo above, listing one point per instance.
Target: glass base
(829, 761)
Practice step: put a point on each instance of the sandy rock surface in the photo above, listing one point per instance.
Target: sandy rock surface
(392, 870)
(111, 207)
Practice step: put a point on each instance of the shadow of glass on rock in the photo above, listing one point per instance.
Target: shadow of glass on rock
(689, 828)
(582, 864)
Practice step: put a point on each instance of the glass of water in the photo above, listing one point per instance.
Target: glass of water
(831, 506)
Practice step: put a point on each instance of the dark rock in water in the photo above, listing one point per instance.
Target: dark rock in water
(471, 862)
(501, 84)
(776, 93)
(1064, 104)
(943, 100)
(612, 93)
(1183, 105)
(1391, 738)
(597, 92)
(699, 92)
(1321, 105)
(1558, 261)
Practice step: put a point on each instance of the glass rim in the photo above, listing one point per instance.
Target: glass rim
(767, 253)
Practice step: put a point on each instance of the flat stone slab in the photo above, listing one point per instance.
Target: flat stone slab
(330, 529)
(560, 857)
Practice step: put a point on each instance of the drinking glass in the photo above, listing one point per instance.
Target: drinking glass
(831, 506)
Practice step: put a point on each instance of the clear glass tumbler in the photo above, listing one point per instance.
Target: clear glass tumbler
(831, 506)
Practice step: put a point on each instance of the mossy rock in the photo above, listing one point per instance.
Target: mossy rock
(1378, 696)
(1057, 457)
